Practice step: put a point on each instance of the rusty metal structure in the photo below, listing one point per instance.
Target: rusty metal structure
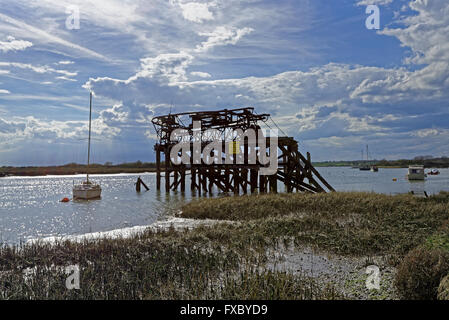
(237, 174)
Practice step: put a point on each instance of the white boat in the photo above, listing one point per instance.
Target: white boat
(416, 173)
(433, 172)
(87, 189)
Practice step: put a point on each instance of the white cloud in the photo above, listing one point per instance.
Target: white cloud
(66, 62)
(43, 36)
(426, 34)
(3, 91)
(424, 133)
(197, 12)
(221, 36)
(14, 45)
(39, 69)
(375, 2)
(66, 79)
(200, 74)
(22, 128)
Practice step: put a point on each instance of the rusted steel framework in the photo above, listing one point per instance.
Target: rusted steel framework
(234, 168)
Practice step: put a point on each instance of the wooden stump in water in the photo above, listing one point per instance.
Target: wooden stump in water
(140, 182)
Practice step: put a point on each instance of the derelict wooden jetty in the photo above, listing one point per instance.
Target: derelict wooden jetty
(235, 167)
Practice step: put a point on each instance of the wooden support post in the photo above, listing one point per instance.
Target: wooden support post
(192, 179)
(175, 178)
(244, 180)
(309, 165)
(158, 169)
(288, 171)
(183, 180)
(199, 181)
(211, 173)
(253, 180)
(236, 173)
(262, 183)
(228, 180)
(273, 183)
(244, 172)
(204, 179)
(167, 169)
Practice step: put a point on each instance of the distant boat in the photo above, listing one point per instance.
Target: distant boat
(367, 167)
(416, 173)
(87, 189)
(433, 172)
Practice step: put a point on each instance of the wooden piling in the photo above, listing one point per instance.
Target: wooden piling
(167, 169)
(158, 168)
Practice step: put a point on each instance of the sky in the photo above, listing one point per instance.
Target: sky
(326, 79)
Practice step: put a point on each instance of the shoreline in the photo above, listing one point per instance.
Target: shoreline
(179, 224)
(80, 175)
(56, 172)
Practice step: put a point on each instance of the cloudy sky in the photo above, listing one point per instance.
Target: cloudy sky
(326, 79)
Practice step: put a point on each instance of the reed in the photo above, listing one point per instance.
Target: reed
(345, 223)
(228, 260)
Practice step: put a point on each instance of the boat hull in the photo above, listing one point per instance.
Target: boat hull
(415, 176)
(83, 193)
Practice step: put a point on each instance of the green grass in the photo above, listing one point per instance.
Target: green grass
(343, 223)
(162, 265)
(228, 260)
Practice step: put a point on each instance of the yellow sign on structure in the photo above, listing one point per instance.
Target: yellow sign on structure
(234, 147)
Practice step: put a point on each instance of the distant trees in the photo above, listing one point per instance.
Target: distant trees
(423, 158)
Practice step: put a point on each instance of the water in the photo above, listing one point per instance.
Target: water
(30, 207)
(348, 179)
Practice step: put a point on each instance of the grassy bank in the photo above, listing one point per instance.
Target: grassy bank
(154, 265)
(230, 260)
(344, 223)
(73, 168)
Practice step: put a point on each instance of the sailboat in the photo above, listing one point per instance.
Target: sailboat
(87, 189)
(365, 167)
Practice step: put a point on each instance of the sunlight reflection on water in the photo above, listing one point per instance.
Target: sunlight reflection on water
(30, 207)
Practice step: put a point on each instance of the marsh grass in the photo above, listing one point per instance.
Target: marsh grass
(279, 285)
(228, 260)
(155, 265)
(343, 223)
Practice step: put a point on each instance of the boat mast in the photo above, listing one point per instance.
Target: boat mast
(88, 144)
